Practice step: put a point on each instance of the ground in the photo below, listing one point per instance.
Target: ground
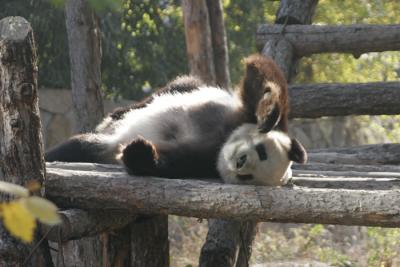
(289, 245)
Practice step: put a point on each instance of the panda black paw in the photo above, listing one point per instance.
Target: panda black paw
(140, 157)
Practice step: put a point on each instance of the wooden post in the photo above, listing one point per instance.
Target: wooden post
(85, 56)
(149, 241)
(238, 250)
(21, 147)
(219, 43)
(198, 39)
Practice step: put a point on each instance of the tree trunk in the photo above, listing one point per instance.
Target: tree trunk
(219, 43)
(21, 147)
(85, 56)
(198, 39)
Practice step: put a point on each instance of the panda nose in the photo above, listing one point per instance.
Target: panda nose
(241, 161)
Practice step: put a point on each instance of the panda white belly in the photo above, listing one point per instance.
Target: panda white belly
(175, 117)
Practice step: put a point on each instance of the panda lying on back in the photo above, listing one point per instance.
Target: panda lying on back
(178, 131)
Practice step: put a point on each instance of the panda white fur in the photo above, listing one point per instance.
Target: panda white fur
(178, 131)
(251, 157)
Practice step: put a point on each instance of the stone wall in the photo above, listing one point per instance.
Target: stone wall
(57, 115)
(58, 122)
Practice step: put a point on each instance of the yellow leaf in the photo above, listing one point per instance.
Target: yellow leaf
(14, 189)
(18, 220)
(44, 210)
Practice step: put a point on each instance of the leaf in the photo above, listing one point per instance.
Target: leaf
(42, 209)
(14, 189)
(18, 220)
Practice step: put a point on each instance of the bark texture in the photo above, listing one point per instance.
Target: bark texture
(21, 147)
(198, 39)
(296, 12)
(317, 100)
(363, 155)
(219, 43)
(149, 241)
(313, 166)
(85, 56)
(314, 39)
(78, 223)
(148, 195)
(228, 243)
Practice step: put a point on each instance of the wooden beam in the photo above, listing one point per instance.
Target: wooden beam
(315, 166)
(313, 39)
(317, 100)
(365, 155)
(78, 223)
(118, 191)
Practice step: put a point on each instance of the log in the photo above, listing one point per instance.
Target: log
(201, 199)
(348, 174)
(313, 39)
(219, 43)
(78, 223)
(21, 147)
(365, 155)
(198, 39)
(85, 56)
(317, 100)
(343, 182)
(312, 166)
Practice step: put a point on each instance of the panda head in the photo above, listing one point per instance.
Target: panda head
(251, 157)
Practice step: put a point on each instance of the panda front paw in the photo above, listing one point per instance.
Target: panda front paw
(140, 157)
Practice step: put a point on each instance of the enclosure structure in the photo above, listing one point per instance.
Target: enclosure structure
(349, 186)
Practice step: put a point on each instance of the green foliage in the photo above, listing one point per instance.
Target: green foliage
(345, 67)
(382, 246)
(98, 5)
(48, 24)
(147, 48)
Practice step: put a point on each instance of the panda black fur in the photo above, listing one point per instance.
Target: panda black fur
(251, 157)
(178, 131)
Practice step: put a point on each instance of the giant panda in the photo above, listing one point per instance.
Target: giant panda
(251, 157)
(178, 131)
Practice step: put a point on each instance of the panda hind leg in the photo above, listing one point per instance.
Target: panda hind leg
(140, 157)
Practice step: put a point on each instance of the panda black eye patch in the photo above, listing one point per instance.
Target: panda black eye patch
(262, 154)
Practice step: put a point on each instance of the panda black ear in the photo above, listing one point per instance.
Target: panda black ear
(297, 152)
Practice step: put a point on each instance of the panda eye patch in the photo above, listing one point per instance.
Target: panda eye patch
(262, 154)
